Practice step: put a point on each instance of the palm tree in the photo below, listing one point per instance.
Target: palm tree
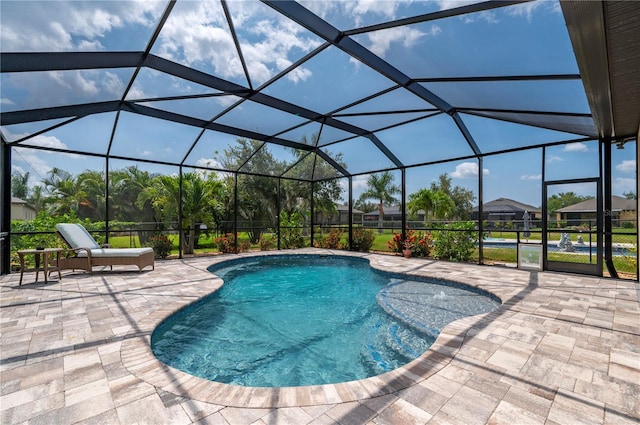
(433, 201)
(382, 189)
(200, 199)
(65, 194)
(94, 185)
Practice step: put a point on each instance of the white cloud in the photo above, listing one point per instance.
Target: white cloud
(554, 158)
(359, 182)
(624, 184)
(627, 166)
(208, 162)
(69, 26)
(197, 34)
(380, 41)
(575, 147)
(467, 170)
(531, 177)
(524, 9)
(5, 101)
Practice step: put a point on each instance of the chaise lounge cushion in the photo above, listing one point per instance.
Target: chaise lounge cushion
(89, 254)
(116, 252)
(77, 236)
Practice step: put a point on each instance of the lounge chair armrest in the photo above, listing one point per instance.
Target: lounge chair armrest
(76, 250)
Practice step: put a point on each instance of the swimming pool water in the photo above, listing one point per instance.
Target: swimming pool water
(294, 320)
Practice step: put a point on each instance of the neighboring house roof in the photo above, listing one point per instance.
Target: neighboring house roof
(618, 203)
(504, 205)
(346, 208)
(389, 211)
(15, 200)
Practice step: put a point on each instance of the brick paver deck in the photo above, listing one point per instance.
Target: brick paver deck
(562, 349)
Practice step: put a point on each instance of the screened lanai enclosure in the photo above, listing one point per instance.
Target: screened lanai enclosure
(491, 132)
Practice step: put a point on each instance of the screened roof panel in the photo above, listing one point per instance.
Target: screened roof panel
(323, 170)
(31, 90)
(219, 151)
(431, 139)
(545, 96)
(379, 121)
(269, 42)
(150, 84)
(306, 134)
(398, 99)
(528, 38)
(87, 134)
(283, 159)
(16, 132)
(352, 15)
(302, 169)
(331, 134)
(578, 124)
(259, 118)
(138, 136)
(327, 81)
(359, 155)
(495, 135)
(197, 35)
(204, 108)
(57, 26)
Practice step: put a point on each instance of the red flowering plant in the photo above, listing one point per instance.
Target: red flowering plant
(399, 244)
(423, 245)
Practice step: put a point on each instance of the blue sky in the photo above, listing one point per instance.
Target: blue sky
(527, 39)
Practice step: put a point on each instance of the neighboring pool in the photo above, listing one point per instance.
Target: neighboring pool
(291, 320)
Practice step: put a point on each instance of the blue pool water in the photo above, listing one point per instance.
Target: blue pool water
(301, 320)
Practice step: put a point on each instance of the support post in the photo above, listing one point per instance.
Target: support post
(608, 225)
(5, 208)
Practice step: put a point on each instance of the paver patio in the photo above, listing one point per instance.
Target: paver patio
(562, 349)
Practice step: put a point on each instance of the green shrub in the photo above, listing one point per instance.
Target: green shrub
(161, 245)
(456, 241)
(362, 239)
(266, 242)
(330, 241)
(291, 230)
(226, 243)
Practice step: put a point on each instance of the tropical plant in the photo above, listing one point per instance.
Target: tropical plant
(291, 230)
(330, 241)
(456, 241)
(161, 245)
(435, 204)
(381, 187)
(462, 198)
(362, 239)
(200, 195)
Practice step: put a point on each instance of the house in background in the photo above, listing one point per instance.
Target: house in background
(21, 210)
(339, 217)
(390, 214)
(504, 210)
(622, 211)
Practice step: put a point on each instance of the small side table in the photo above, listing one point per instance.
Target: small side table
(47, 256)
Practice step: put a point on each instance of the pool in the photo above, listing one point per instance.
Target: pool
(292, 320)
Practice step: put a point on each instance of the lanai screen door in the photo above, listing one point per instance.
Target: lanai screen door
(571, 239)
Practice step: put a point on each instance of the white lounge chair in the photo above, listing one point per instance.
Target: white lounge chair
(89, 254)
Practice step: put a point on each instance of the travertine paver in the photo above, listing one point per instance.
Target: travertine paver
(562, 349)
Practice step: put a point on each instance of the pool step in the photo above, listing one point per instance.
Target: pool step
(393, 344)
